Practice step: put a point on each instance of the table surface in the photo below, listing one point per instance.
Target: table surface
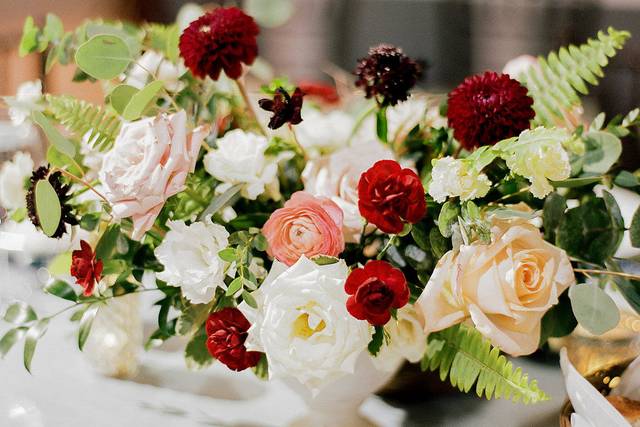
(64, 390)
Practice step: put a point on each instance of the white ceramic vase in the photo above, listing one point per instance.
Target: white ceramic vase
(338, 404)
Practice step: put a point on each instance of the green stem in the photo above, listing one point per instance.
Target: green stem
(360, 120)
(384, 250)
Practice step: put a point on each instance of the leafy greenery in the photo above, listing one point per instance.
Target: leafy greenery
(377, 340)
(196, 353)
(594, 309)
(462, 354)
(103, 56)
(48, 207)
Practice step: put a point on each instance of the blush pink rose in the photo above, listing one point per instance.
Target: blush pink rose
(148, 164)
(306, 225)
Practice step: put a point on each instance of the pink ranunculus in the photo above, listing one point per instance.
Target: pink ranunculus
(306, 225)
(148, 164)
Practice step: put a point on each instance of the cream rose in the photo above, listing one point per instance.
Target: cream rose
(12, 178)
(503, 288)
(336, 177)
(240, 159)
(189, 254)
(148, 164)
(303, 326)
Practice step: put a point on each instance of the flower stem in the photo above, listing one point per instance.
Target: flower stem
(297, 142)
(83, 182)
(247, 102)
(386, 247)
(607, 272)
(360, 120)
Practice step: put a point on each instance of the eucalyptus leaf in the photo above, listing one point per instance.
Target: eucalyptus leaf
(629, 288)
(61, 289)
(559, 320)
(53, 30)
(103, 56)
(594, 309)
(34, 333)
(29, 39)
(48, 207)
(626, 179)
(120, 97)
(63, 145)
(448, 216)
(19, 313)
(634, 229)
(141, 100)
(553, 210)
(85, 325)
(9, 339)
(420, 236)
(603, 150)
(437, 243)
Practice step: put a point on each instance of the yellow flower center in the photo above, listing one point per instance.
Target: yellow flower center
(302, 329)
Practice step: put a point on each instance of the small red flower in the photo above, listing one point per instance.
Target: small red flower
(375, 290)
(320, 91)
(487, 108)
(389, 195)
(227, 332)
(86, 268)
(222, 39)
(285, 108)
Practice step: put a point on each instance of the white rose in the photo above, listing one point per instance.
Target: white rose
(160, 67)
(240, 159)
(404, 116)
(457, 178)
(336, 176)
(518, 65)
(12, 177)
(25, 101)
(149, 163)
(303, 326)
(324, 132)
(407, 339)
(189, 254)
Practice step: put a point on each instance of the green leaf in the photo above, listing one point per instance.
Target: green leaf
(634, 229)
(260, 243)
(614, 211)
(234, 286)
(594, 309)
(448, 216)
(61, 289)
(626, 179)
(221, 200)
(577, 182)
(142, 99)
(34, 333)
(90, 221)
(381, 124)
(48, 207)
(53, 30)
(114, 266)
(553, 210)
(325, 259)
(227, 254)
(29, 39)
(629, 288)
(249, 299)
(9, 339)
(85, 325)
(261, 370)
(376, 341)
(120, 97)
(191, 318)
(63, 145)
(438, 243)
(559, 320)
(103, 56)
(603, 150)
(107, 242)
(420, 236)
(19, 313)
(60, 264)
(196, 354)
(60, 160)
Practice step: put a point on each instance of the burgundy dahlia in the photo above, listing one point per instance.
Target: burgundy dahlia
(61, 189)
(285, 108)
(227, 332)
(487, 108)
(387, 74)
(222, 39)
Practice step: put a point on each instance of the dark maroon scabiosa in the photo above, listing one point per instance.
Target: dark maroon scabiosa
(387, 74)
(222, 39)
(285, 108)
(487, 108)
(61, 189)
(226, 334)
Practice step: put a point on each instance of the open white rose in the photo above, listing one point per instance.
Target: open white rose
(303, 326)
(12, 177)
(26, 100)
(324, 132)
(336, 176)
(503, 288)
(149, 163)
(407, 339)
(160, 67)
(189, 254)
(240, 159)
(457, 178)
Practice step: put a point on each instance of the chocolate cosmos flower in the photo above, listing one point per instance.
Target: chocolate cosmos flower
(285, 108)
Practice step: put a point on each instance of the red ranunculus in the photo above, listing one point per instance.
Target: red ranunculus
(389, 195)
(222, 39)
(86, 268)
(320, 91)
(375, 290)
(227, 332)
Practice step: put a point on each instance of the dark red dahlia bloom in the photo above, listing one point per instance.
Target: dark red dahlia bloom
(487, 108)
(285, 108)
(86, 268)
(61, 189)
(375, 290)
(227, 332)
(320, 91)
(387, 74)
(222, 39)
(389, 196)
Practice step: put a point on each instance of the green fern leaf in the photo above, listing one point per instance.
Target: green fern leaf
(468, 359)
(557, 82)
(82, 118)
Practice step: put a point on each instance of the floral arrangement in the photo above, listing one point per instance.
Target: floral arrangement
(300, 232)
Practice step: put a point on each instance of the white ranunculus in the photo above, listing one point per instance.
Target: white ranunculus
(12, 177)
(336, 176)
(240, 159)
(324, 132)
(25, 101)
(303, 326)
(457, 178)
(189, 254)
(155, 63)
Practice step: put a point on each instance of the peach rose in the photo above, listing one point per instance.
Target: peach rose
(503, 288)
(148, 164)
(306, 225)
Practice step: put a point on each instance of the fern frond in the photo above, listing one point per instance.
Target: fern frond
(83, 118)
(467, 358)
(556, 83)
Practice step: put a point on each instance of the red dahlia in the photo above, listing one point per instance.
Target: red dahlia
(222, 39)
(86, 268)
(389, 196)
(227, 332)
(487, 108)
(375, 290)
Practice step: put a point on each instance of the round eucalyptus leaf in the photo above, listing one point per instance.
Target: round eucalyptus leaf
(120, 97)
(603, 150)
(141, 100)
(594, 309)
(48, 207)
(103, 56)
